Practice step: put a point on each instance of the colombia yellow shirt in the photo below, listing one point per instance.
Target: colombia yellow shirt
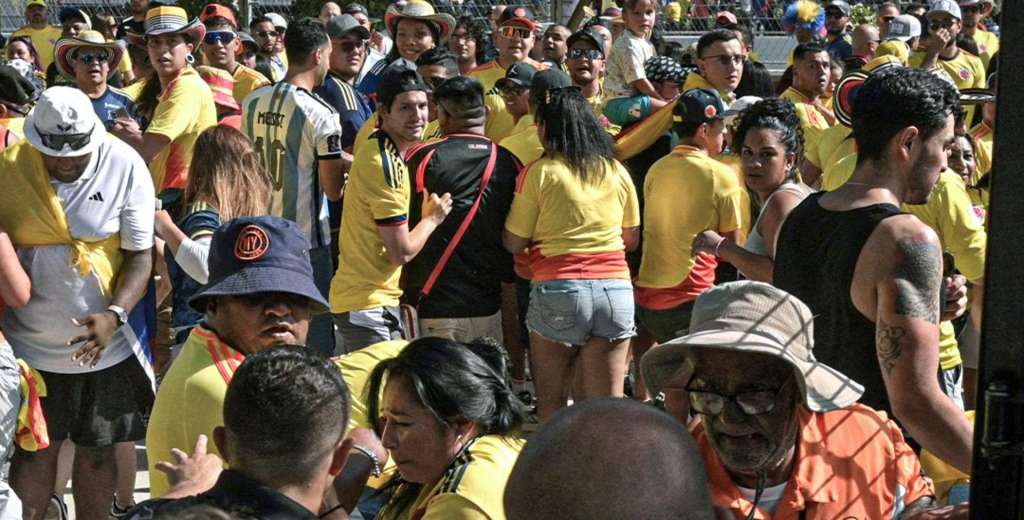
(685, 193)
(524, 143)
(246, 81)
(988, 46)
(43, 40)
(697, 81)
(814, 119)
(473, 486)
(984, 138)
(673, 12)
(576, 227)
(190, 401)
(377, 195)
(835, 143)
(499, 122)
(185, 109)
(966, 70)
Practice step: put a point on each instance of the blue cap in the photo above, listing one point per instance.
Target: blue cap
(257, 255)
(698, 105)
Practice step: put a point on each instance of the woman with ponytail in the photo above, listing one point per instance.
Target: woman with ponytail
(450, 423)
(576, 211)
(769, 141)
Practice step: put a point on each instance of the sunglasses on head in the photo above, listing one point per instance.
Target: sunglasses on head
(59, 141)
(221, 37)
(87, 58)
(509, 31)
(590, 54)
(351, 46)
(268, 34)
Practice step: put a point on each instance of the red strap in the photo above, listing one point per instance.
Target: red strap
(436, 273)
(421, 170)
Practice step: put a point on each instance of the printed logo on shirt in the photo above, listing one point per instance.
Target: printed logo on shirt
(334, 143)
(270, 119)
(965, 74)
(98, 197)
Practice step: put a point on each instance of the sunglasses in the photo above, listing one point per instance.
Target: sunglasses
(726, 59)
(509, 31)
(511, 90)
(590, 54)
(59, 141)
(936, 25)
(221, 37)
(268, 34)
(887, 18)
(351, 46)
(970, 9)
(758, 402)
(88, 58)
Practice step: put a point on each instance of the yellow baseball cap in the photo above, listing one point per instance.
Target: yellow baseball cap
(30, 3)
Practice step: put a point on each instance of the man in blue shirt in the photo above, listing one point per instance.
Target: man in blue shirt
(837, 18)
(88, 61)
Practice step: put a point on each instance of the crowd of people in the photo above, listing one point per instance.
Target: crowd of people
(430, 266)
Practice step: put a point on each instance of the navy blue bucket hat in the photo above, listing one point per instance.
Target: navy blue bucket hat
(258, 255)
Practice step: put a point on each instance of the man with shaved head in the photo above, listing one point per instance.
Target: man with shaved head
(571, 469)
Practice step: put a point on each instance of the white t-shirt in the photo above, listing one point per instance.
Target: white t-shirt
(114, 194)
(626, 64)
(292, 130)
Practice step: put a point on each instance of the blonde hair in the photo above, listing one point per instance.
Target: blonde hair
(226, 174)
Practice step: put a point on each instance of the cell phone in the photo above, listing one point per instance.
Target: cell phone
(121, 113)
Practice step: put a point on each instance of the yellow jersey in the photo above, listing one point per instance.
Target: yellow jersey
(988, 46)
(246, 81)
(185, 109)
(697, 81)
(965, 69)
(377, 194)
(524, 143)
(984, 140)
(814, 119)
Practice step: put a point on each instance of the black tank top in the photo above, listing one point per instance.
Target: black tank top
(815, 258)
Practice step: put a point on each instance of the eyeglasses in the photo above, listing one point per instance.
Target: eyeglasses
(221, 37)
(758, 402)
(509, 31)
(59, 141)
(268, 34)
(511, 90)
(350, 46)
(590, 54)
(941, 24)
(87, 58)
(726, 59)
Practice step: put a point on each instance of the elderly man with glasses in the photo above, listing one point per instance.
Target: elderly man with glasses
(781, 434)
(222, 48)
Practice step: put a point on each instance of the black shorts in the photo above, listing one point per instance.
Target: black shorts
(97, 409)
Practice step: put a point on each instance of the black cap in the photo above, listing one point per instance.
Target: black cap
(355, 8)
(547, 80)
(252, 255)
(698, 105)
(591, 36)
(15, 88)
(519, 74)
(399, 77)
(72, 13)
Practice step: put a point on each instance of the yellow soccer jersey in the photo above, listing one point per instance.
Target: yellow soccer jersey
(524, 144)
(185, 109)
(988, 46)
(246, 81)
(43, 40)
(356, 368)
(984, 138)
(814, 119)
(190, 401)
(966, 70)
(697, 81)
(835, 143)
(377, 195)
(473, 486)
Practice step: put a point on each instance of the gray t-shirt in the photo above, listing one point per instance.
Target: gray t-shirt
(114, 194)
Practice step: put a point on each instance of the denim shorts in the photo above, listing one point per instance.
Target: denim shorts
(573, 311)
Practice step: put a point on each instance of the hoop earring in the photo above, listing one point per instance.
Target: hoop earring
(190, 59)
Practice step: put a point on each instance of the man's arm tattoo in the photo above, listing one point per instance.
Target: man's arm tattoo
(887, 344)
(918, 280)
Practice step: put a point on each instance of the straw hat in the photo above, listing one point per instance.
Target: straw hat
(65, 48)
(422, 11)
(169, 19)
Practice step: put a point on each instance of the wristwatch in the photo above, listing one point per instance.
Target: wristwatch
(122, 315)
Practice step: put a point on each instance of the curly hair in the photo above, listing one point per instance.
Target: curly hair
(894, 99)
(776, 114)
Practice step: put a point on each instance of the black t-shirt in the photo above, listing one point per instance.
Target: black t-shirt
(234, 494)
(470, 284)
(130, 25)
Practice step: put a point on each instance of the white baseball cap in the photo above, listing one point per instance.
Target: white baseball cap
(903, 28)
(946, 6)
(64, 124)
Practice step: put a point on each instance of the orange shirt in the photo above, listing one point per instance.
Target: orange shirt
(852, 464)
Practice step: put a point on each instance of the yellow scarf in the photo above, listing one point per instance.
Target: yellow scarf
(33, 216)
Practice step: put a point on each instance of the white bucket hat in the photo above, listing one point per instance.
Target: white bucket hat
(755, 317)
(64, 124)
